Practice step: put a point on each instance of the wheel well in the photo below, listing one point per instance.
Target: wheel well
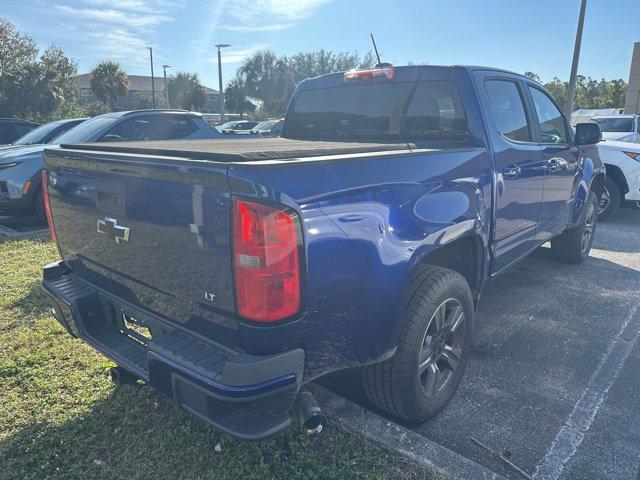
(615, 174)
(463, 256)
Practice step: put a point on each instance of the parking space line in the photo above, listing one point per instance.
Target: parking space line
(570, 436)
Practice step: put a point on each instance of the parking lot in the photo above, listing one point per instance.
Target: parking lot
(552, 381)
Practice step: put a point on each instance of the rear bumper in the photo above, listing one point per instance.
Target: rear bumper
(244, 395)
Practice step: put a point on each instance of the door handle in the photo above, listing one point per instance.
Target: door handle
(512, 171)
(556, 164)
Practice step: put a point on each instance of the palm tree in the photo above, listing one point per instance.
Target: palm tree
(108, 82)
(266, 78)
(186, 91)
(235, 97)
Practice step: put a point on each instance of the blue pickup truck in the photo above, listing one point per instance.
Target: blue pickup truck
(229, 274)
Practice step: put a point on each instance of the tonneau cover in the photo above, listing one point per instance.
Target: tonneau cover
(241, 150)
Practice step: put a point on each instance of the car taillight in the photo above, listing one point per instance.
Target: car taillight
(386, 74)
(266, 259)
(634, 155)
(47, 206)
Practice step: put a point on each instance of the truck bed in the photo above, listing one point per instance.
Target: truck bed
(242, 150)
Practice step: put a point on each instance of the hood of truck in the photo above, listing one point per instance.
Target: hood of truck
(153, 234)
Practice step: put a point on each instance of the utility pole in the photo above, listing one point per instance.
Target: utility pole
(153, 83)
(166, 92)
(571, 93)
(221, 94)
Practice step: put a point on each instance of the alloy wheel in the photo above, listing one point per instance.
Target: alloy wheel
(605, 201)
(589, 227)
(441, 348)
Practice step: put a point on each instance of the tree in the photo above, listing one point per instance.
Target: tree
(186, 91)
(33, 92)
(590, 93)
(272, 79)
(235, 97)
(109, 82)
(533, 76)
(16, 48)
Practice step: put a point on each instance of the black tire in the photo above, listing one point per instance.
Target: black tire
(38, 207)
(574, 244)
(396, 385)
(610, 199)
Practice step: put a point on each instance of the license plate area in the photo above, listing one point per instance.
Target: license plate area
(135, 328)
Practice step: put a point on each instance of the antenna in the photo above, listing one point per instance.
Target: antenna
(375, 48)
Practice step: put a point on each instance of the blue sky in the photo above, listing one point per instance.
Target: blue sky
(512, 34)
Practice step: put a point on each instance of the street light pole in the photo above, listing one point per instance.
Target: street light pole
(153, 83)
(571, 93)
(221, 94)
(166, 92)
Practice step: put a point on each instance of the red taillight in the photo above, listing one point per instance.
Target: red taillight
(386, 74)
(634, 155)
(47, 206)
(266, 244)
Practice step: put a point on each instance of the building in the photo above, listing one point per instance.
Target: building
(140, 93)
(632, 103)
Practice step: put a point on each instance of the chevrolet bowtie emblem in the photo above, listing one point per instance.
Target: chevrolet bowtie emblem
(110, 227)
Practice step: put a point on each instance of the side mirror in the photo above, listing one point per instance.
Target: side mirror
(588, 133)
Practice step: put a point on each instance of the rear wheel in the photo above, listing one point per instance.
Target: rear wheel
(433, 349)
(574, 244)
(610, 199)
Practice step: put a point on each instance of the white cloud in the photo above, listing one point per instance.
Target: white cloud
(266, 15)
(117, 29)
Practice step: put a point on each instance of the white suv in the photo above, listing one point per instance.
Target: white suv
(622, 160)
(624, 128)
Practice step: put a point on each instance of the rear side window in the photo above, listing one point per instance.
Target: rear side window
(398, 111)
(173, 128)
(552, 127)
(131, 130)
(507, 109)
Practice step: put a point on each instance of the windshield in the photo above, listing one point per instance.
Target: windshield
(86, 130)
(614, 124)
(227, 125)
(264, 126)
(37, 135)
(399, 111)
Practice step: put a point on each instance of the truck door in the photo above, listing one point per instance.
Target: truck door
(561, 163)
(519, 167)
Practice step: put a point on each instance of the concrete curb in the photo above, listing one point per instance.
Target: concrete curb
(435, 458)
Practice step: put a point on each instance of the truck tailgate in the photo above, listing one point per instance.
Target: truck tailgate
(151, 231)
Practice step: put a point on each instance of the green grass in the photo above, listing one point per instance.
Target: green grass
(62, 418)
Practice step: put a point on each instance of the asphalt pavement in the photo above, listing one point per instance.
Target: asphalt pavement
(552, 381)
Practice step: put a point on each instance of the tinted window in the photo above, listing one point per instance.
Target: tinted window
(614, 124)
(426, 110)
(131, 130)
(436, 111)
(38, 135)
(507, 109)
(174, 127)
(7, 133)
(552, 127)
(23, 128)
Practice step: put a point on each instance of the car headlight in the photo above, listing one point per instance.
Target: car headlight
(8, 165)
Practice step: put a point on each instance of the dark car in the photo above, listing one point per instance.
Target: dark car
(237, 126)
(13, 128)
(362, 238)
(44, 133)
(269, 128)
(20, 166)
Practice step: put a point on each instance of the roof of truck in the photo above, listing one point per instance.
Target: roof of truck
(241, 150)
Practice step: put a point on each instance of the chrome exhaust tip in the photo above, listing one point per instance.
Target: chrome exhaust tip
(312, 419)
